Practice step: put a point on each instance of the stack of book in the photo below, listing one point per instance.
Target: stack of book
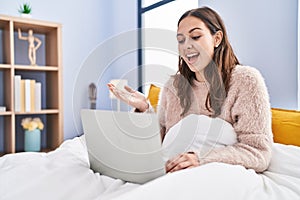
(28, 96)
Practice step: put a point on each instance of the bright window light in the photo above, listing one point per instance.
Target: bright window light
(161, 63)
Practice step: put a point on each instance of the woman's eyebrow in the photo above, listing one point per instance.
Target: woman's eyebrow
(196, 28)
(193, 29)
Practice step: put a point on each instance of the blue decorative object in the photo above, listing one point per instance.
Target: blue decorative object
(32, 140)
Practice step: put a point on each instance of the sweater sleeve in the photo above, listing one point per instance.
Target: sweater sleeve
(251, 114)
(165, 107)
(162, 111)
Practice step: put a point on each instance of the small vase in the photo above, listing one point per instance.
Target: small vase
(32, 140)
(24, 15)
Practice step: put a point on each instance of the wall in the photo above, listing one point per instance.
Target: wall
(264, 35)
(86, 25)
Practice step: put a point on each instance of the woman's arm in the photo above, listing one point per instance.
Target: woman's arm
(252, 114)
(161, 109)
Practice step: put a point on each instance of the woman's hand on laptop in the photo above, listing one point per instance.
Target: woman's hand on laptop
(130, 96)
(182, 161)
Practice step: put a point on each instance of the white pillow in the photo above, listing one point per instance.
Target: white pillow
(197, 133)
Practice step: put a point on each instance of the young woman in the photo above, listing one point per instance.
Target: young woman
(210, 81)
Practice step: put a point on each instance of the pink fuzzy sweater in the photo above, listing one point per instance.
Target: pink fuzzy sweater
(246, 107)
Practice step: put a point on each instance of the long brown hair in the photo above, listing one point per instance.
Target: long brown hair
(218, 71)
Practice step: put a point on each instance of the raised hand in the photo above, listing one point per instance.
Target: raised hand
(130, 96)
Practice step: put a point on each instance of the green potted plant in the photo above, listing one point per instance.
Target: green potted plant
(25, 10)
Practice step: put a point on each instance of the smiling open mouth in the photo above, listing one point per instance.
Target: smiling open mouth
(192, 57)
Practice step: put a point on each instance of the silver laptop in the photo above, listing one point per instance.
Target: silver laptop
(124, 145)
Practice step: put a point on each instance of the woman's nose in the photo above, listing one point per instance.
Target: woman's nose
(188, 44)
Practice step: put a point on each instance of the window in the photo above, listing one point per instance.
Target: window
(160, 56)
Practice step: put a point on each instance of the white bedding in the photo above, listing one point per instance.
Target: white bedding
(61, 174)
(204, 133)
(65, 174)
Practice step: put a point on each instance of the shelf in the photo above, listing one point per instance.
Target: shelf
(5, 113)
(5, 66)
(46, 111)
(44, 26)
(43, 150)
(36, 68)
(14, 61)
(46, 150)
(5, 42)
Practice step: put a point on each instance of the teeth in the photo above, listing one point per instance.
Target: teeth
(191, 55)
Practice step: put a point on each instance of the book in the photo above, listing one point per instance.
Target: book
(17, 93)
(22, 96)
(38, 96)
(32, 95)
(27, 96)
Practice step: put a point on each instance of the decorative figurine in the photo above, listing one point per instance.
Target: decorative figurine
(31, 45)
(92, 95)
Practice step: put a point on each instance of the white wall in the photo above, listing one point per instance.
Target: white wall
(264, 35)
(85, 26)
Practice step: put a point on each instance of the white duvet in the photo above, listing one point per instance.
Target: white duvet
(65, 174)
(198, 133)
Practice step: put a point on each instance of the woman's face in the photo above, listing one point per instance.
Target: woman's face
(195, 44)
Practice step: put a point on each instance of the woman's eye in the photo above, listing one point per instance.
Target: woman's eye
(196, 37)
(180, 41)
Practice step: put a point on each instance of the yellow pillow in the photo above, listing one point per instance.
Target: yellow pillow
(153, 96)
(286, 126)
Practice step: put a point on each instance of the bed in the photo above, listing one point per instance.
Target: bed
(65, 174)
